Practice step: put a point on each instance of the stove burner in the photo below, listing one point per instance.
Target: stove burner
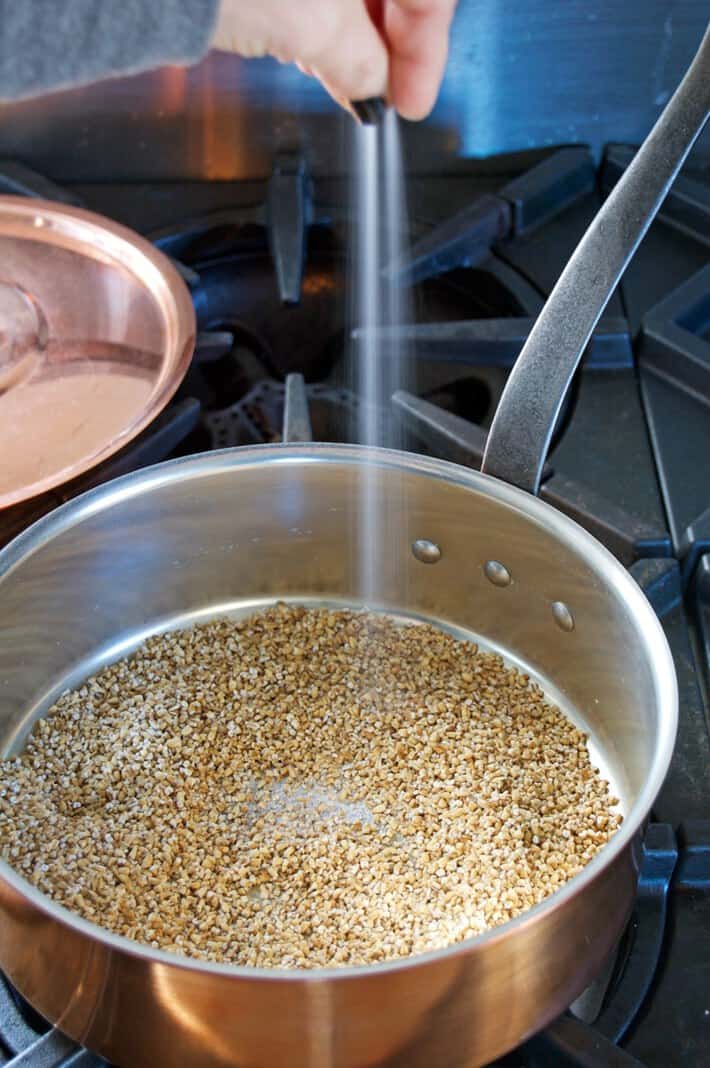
(265, 264)
(290, 411)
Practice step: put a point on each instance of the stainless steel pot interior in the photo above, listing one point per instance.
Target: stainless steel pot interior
(230, 531)
(226, 533)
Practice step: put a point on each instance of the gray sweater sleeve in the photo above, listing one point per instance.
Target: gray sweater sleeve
(55, 44)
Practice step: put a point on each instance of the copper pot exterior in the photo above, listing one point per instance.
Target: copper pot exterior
(459, 1011)
(231, 530)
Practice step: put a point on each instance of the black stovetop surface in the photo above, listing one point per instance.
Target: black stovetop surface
(265, 263)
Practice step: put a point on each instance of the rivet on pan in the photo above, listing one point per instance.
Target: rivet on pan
(38, 221)
(496, 573)
(427, 552)
(562, 615)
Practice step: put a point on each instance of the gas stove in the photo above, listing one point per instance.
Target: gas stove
(266, 265)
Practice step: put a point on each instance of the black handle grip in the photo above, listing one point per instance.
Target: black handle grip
(369, 112)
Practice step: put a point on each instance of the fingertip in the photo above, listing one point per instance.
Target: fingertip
(411, 109)
(412, 92)
(419, 40)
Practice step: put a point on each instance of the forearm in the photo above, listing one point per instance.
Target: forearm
(55, 44)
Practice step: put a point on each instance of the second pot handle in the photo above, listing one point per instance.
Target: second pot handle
(522, 427)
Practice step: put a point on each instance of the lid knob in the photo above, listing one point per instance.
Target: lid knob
(22, 335)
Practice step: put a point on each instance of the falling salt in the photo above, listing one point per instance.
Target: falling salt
(379, 368)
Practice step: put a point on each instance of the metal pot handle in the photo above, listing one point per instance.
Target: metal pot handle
(520, 434)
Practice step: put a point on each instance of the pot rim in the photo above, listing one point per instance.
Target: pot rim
(563, 528)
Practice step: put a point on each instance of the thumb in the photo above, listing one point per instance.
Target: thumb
(335, 40)
(352, 62)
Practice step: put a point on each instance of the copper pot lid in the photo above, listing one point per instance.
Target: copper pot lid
(97, 330)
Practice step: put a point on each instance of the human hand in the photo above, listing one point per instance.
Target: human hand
(357, 48)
